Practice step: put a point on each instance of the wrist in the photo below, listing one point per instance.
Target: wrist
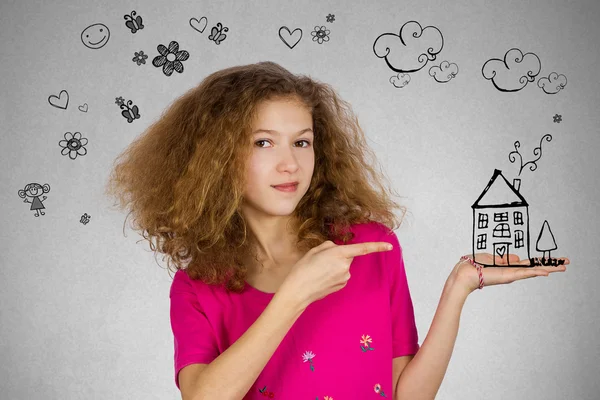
(289, 302)
(456, 288)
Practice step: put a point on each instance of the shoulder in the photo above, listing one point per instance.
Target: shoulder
(183, 283)
(196, 289)
(373, 231)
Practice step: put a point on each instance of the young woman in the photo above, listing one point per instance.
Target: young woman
(256, 185)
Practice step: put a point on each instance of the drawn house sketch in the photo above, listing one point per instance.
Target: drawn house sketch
(501, 219)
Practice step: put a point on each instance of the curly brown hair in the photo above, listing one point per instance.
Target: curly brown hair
(184, 176)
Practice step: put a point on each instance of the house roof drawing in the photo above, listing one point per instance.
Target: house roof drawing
(499, 194)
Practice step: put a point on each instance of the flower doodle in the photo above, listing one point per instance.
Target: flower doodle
(170, 58)
(73, 145)
(139, 58)
(320, 34)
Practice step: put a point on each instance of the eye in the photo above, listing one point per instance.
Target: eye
(265, 140)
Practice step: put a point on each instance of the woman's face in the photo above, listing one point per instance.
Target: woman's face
(285, 154)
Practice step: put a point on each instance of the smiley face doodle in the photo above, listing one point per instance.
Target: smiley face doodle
(95, 36)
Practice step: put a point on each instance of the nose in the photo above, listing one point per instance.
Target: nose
(287, 158)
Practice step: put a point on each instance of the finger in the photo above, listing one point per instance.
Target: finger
(361, 249)
(525, 273)
(508, 275)
(520, 262)
(533, 274)
(500, 259)
(512, 258)
(508, 259)
(559, 268)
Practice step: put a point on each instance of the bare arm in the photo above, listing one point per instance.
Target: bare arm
(423, 375)
(232, 373)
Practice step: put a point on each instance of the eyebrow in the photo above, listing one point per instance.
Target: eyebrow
(271, 131)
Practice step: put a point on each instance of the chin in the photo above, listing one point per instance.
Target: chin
(283, 212)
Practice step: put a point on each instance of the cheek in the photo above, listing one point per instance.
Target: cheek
(258, 173)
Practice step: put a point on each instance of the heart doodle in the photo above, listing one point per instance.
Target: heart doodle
(289, 36)
(83, 108)
(501, 250)
(59, 101)
(199, 25)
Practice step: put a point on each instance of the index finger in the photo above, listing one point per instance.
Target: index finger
(361, 249)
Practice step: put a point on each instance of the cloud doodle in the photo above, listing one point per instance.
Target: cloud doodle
(553, 84)
(400, 80)
(444, 72)
(514, 72)
(411, 49)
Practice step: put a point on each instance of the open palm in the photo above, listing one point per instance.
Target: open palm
(467, 274)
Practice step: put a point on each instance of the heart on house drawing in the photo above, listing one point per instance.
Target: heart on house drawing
(59, 101)
(199, 25)
(83, 108)
(293, 36)
(501, 250)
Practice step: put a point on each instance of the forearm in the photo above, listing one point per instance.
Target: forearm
(233, 372)
(423, 375)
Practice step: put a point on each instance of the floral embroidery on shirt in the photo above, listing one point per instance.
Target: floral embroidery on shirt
(366, 339)
(308, 356)
(377, 389)
(266, 393)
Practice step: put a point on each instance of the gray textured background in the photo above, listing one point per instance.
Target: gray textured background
(85, 310)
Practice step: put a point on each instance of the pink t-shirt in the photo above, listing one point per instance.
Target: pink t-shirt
(341, 346)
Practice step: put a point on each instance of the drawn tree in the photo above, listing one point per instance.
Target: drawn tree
(545, 242)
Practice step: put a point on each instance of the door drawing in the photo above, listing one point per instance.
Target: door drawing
(500, 249)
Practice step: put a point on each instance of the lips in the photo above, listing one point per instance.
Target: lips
(286, 185)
